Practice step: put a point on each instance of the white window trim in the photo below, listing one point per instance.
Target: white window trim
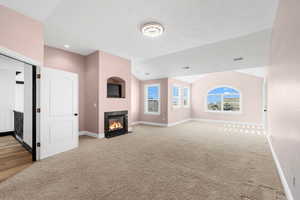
(146, 99)
(188, 97)
(222, 99)
(179, 97)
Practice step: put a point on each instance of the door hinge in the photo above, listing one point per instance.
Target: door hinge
(38, 76)
(38, 110)
(38, 144)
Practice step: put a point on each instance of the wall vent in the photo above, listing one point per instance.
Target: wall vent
(238, 59)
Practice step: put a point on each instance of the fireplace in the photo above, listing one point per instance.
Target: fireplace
(115, 123)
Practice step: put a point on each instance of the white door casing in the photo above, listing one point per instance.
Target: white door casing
(27, 108)
(59, 104)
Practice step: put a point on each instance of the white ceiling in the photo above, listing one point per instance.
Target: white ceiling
(113, 26)
(190, 79)
(257, 71)
(216, 57)
(39, 10)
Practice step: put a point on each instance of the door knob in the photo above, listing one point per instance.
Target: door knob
(75, 114)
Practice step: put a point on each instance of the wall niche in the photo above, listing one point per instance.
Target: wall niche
(116, 87)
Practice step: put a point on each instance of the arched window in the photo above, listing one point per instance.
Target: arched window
(223, 99)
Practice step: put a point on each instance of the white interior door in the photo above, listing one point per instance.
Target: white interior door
(59, 108)
(8, 68)
(7, 91)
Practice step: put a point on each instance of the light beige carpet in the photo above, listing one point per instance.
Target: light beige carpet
(191, 161)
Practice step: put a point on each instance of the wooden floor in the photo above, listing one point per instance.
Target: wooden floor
(13, 157)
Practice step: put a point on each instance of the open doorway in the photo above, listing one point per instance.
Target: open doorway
(17, 116)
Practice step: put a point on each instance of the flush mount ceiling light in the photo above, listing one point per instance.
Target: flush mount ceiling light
(67, 46)
(152, 29)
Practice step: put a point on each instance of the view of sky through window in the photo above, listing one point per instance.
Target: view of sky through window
(224, 90)
(186, 92)
(175, 91)
(153, 92)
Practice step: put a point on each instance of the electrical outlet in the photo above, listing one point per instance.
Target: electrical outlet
(294, 181)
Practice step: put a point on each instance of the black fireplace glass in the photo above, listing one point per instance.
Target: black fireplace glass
(115, 123)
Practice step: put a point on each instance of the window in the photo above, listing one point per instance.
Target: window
(152, 99)
(223, 99)
(186, 97)
(175, 96)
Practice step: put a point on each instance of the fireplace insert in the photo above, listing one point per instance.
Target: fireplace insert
(115, 123)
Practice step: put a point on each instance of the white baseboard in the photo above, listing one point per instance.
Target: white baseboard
(135, 123)
(284, 182)
(159, 124)
(193, 119)
(150, 123)
(81, 133)
(179, 122)
(95, 135)
(101, 135)
(225, 122)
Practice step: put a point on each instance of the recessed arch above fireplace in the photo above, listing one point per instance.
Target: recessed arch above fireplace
(116, 87)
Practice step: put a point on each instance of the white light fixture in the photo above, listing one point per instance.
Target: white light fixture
(152, 29)
(67, 46)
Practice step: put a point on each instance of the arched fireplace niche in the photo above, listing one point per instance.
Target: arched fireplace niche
(116, 87)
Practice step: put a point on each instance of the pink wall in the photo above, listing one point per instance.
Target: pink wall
(93, 71)
(110, 66)
(163, 117)
(284, 91)
(135, 99)
(71, 62)
(21, 34)
(181, 113)
(91, 92)
(251, 88)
